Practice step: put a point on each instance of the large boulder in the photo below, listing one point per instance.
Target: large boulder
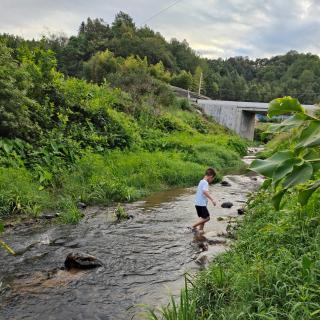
(80, 260)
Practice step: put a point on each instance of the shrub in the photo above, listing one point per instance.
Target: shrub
(121, 213)
(19, 194)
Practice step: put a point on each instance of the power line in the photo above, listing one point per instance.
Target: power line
(161, 11)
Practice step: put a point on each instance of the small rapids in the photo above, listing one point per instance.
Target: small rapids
(144, 258)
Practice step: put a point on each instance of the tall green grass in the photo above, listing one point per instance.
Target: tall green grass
(159, 161)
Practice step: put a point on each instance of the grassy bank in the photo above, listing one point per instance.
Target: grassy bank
(64, 140)
(271, 272)
(103, 178)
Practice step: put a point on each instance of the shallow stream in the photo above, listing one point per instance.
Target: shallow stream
(144, 258)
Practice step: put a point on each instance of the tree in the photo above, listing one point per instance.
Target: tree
(72, 56)
(158, 71)
(197, 78)
(15, 106)
(123, 24)
(185, 57)
(100, 66)
(183, 80)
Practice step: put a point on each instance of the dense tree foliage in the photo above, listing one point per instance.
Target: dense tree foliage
(65, 139)
(93, 52)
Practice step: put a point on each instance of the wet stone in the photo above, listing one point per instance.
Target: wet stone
(81, 205)
(49, 216)
(59, 242)
(80, 260)
(225, 183)
(72, 244)
(227, 205)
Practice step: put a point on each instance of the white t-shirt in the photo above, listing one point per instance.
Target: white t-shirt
(201, 199)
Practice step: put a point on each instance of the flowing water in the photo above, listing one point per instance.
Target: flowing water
(144, 258)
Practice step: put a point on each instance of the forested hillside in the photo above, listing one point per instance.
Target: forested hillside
(98, 49)
(65, 140)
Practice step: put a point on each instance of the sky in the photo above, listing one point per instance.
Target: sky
(213, 28)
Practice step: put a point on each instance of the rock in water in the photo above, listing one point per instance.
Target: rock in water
(202, 260)
(81, 260)
(225, 183)
(227, 205)
(81, 205)
(49, 215)
(241, 211)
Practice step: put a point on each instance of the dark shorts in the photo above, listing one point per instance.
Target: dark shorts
(202, 212)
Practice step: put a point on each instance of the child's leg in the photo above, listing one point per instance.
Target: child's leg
(201, 222)
(201, 226)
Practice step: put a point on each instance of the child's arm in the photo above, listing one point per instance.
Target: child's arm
(207, 194)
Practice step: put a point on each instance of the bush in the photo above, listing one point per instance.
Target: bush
(238, 145)
(19, 194)
(169, 123)
(121, 213)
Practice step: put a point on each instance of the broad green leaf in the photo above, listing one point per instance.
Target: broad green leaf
(275, 127)
(266, 167)
(315, 166)
(312, 154)
(304, 195)
(310, 136)
(300, 173)
(266, 184)
(284, 105)
(276, 199)
(294, 121)
(284, 168)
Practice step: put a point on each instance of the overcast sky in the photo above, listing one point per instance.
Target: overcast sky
(214, 28)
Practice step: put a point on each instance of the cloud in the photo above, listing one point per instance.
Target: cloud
(214, 28)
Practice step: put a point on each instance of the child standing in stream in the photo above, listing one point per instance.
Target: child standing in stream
(201, 200)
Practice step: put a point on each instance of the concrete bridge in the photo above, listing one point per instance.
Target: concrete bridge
(237, 115)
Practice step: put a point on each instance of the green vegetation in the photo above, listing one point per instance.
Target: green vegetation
(298, 164)
(91, 118)
(186, 310)
(272, 270)
(98, 49)
(121, 213)
(65, 140)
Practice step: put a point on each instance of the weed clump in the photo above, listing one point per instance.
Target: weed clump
(121, 213)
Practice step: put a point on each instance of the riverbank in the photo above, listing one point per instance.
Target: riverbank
(144, 257)
(66, 142)
(271, 271)
(118, 176)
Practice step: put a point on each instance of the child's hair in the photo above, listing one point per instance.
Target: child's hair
(210, 172)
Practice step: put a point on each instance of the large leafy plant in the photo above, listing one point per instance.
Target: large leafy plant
(296, 167)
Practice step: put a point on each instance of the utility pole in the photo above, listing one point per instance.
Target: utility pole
(200, 84)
